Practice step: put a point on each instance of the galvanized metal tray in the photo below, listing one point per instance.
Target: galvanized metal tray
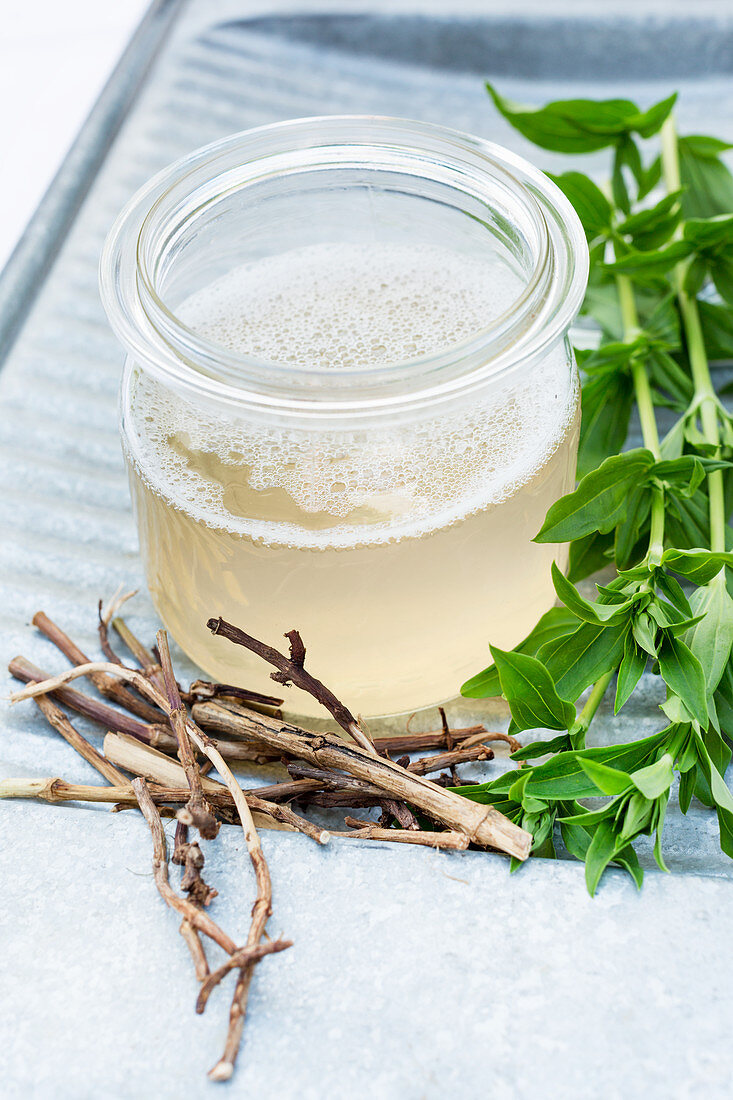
(414, 974)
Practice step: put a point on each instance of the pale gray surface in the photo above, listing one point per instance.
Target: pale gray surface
(413, 974)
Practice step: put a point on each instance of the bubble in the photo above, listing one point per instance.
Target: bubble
(339, 306)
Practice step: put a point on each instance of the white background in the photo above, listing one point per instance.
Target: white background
(55, 56)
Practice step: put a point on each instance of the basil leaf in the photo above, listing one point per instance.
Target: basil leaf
(630, 672)
(711, 639)
(554, 624)
(717, 330)
(684, 474)
(606, 403)
(706, 181)
(654, 779)
(706, 233)
(610, 781)
(651, 227)
(683, 673)
(633, 526)
(543, 748)
(588, 555)
(697, 564)
(653, 263)
(528, 688)
(669, 376)
(601, 850)
(589, 202)
(700, 145)
(577, 660)
(600, 500)
(589, 612)
(645, 633)
(569, 125)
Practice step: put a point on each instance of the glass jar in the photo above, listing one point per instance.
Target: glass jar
(376, 481)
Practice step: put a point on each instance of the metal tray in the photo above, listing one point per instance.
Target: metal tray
(414, 974)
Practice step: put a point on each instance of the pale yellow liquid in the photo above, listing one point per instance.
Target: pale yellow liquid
(398, 554)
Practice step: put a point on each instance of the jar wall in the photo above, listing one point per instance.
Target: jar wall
(399, 595)
(349, 398)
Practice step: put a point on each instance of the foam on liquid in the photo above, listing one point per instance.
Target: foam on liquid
(342, 306)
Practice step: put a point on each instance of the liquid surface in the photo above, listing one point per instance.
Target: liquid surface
(339, 306)
(399, 552)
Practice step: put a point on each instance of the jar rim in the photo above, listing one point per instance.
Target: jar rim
(186, 360)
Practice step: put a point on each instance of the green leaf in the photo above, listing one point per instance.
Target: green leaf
(543, 748)
(650, 122)
(700, 145)
(721, 269)
(563, 776)
(668, 376)
(600, 500)
(606, 402)
(655, 779)
(672, 589)
(570, 125)
(554, 624)
(601, 850)
(582, 608)
(630, 672)
(724, 700)
(717, 329)
(629, 861)
(651, 227)
(711, 639)
(650, 178)
(637, 817)
(589, 202)
(588, 555)
(706, 233)
(530, 692)
(697, 565)
(684, 475)
(577, 660)
(686, 790)
(644, 631)
(706, 181)
(633, 526)
(683, 673)
(651, 264)
(610, 781)
(717, 750)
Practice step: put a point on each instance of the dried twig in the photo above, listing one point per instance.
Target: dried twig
(512, 742)
(197, 808)
(427, 764)
(149, 664)
(62, 725)
(291, 670)
(240, 958)
(289, 817)
(225, 1066)
(107, 716)
(401, 812)
(433, 739)
(195, 917)
(104, 614)
(484, 825)
(104, 684)
(261, 910)
(200, 690)
(191, 858)
(56, 790)
(332, 781)
(366, 830)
